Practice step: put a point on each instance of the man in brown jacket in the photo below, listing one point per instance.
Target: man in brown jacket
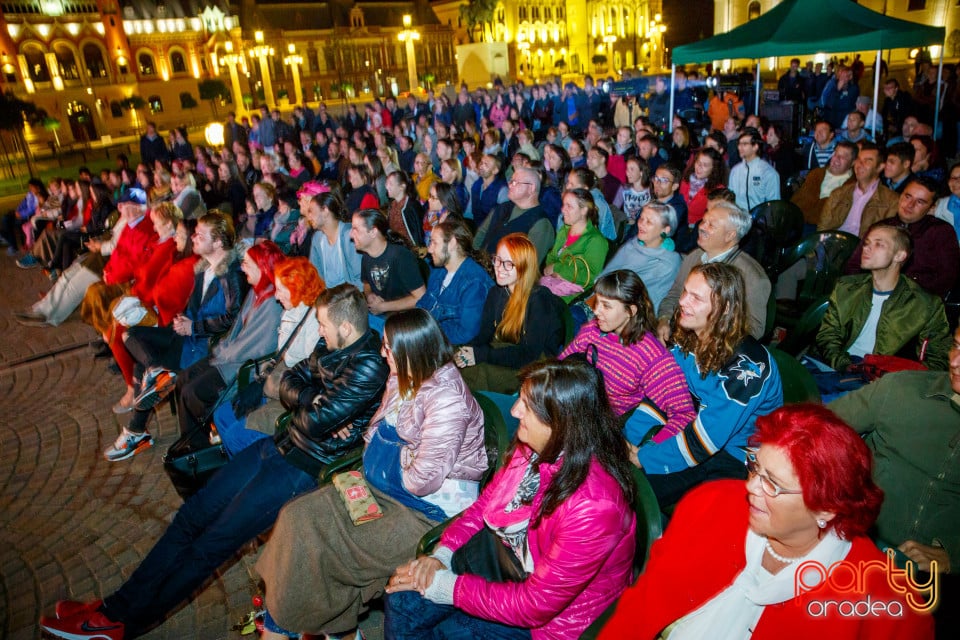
(854, 207)
(823, 181)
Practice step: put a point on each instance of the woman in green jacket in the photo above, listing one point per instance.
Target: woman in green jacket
(580, 249)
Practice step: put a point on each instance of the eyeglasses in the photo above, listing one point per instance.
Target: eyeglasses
(662, 180)
(515, 182)
(507, 265)
(768, 486)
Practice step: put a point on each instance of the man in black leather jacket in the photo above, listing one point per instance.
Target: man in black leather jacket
(333, 396)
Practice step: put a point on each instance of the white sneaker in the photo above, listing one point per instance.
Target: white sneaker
(127, 445)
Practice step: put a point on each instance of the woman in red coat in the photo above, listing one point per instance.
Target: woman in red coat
(162, 285)
(781, 557)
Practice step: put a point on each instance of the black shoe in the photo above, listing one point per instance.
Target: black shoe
(113, 368)
(100, 349)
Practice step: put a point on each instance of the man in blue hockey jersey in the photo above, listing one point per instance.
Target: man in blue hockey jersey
(732, 377)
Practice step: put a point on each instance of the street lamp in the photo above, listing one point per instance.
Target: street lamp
(408, 36)
(261, 51)
(609, 40)
(231, 60)
(655, 37)
(294, 61)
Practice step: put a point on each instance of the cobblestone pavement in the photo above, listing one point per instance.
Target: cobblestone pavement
(71, 524)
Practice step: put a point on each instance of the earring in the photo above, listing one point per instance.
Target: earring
(663, 235)
(821, 523)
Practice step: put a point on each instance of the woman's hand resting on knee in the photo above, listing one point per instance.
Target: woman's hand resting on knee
(416, 575)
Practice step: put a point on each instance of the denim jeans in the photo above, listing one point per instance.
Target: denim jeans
(409, 616)
(240, 502)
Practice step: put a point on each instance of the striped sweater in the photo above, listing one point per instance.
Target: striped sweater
(642, 372)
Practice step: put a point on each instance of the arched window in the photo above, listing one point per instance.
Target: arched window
(177, 62)
(93, 61)
(36, 64)
(156, 104)
(146, 65)
(753, 10)
(66, 62)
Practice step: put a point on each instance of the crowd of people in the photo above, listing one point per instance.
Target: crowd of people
(580, 267)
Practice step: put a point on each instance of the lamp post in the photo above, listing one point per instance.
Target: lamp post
(261, 51)
(294, 61)
(655, 37)
(408, 36)
(231, 60)
(609, 40)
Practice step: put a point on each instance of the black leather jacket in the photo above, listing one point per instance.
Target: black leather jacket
(328, 391)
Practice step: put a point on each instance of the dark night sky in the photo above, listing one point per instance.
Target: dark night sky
(687, 20)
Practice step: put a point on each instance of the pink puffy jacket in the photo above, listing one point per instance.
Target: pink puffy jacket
(443, 424)
(582, 555)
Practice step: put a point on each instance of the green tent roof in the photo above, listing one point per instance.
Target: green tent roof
(802, 27)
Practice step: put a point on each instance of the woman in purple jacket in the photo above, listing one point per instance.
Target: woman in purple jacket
(562, 509)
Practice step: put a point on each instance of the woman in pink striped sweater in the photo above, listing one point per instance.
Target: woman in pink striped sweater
(636, 366)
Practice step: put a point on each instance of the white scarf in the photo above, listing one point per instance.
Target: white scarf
(733, 613)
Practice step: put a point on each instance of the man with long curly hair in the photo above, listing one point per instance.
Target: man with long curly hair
(732, 377)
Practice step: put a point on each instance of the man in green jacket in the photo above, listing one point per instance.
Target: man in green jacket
(882, 311)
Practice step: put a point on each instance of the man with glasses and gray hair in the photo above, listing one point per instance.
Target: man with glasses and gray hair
(719, 235)
(522, 213)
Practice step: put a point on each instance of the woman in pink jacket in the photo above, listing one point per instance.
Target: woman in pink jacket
(560, 509)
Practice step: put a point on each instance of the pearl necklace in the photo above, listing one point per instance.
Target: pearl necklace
(779, 558)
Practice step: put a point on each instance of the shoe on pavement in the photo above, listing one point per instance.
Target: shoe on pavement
(82, 626)
(152, 394)
(127, 445)
(69, 608)
(28, 262)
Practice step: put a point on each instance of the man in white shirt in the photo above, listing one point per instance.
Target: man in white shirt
(753, 180)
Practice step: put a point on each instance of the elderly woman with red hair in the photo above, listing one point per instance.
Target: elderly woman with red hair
(297, 287)
(809, 498)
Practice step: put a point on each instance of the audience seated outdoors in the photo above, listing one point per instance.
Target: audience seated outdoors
(521, 321)
(561, 507)
(809, 497)
(732, 376)
(422, 463)
(554, 222)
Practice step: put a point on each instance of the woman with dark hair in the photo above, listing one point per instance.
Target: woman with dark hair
(297, 287)
(635, 193)
(807, 508)
(362, 194)
(780, 154)
(69, 242)
(556, 164)
(404, 213)
(521, 321)
(732, 376)
(620, 341)
(699, 180)
(422, 463)
(580, 249)
(378, 179)
(451, 172)
(441, 203)
(232, 189)
(560, 507)
(679, 150)
(925, 161)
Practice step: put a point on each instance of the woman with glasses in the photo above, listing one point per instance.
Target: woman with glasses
(441, 203)
(521, 321)
(422, 463)
(758, 571)
(580, 249)
(620, 341)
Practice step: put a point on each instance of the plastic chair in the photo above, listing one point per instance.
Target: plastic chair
(777, 224)
(496, 442)
(825, 253)
(802, 334)
(798, 384)
(350, 460)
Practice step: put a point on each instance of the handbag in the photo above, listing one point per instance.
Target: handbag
(253, 375)
(561, 287)
(189, 468)
(129, 311)
(486, 555)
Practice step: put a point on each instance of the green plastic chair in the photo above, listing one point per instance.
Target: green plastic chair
(798, 384)
(777, 224)
(825, 254)
(496, 442)
(804, 332)
(350, 460)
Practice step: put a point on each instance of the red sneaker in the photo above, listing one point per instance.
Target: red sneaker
(83, 626)
(68, 608)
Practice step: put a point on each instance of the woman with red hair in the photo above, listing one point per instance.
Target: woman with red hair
(760, 572)
(252, 336)
(297, 287)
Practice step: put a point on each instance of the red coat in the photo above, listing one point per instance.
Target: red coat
(133, 250)
(697, 205)
(701, 554)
